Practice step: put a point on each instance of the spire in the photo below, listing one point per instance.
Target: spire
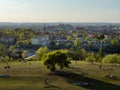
(44, 27)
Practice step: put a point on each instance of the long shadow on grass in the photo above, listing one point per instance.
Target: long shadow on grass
(51, 86)
(92, 83)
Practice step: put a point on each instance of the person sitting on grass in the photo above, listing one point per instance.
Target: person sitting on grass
(100, 66)
(109, 76)
(46, 81)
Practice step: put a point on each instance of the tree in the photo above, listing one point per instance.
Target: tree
(90, 57)
(114, 47)
(99, 36)
(100, 55)
(2, 50)
(77, 42)
(40, 52)
(115, 42)
(6, 59)
(83, 54)
(45, 50)
(54, 58)
(12, 48)
(68, 45)
(112, 58)
(71, 53)
(24, 54)
(86, 38)
(101, 52)
(68, 38)
(21, 36)
(80, 53)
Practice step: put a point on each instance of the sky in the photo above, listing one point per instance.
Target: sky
(60, 11)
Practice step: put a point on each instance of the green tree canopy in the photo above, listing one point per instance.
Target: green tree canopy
(2, 50)
(6, 58)
(54, 58)
(115, 42)
(90, 57)
(68, 38)
(77, 42)
(40, 52)
(24, 54)
(112, 58)
(78, 54)
(100, 55)
(12, 48)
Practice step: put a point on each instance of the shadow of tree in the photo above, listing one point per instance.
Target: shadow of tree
(51, 86)
(93, 84)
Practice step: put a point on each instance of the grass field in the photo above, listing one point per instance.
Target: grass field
(31, 77)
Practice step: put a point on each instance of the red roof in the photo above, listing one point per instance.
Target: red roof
(91, 35)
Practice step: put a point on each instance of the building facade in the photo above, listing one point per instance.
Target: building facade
(41, 40)
(7, 39)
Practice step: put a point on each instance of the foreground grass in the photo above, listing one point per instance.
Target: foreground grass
(31, 77)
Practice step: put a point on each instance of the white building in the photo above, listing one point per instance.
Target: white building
(42, 40)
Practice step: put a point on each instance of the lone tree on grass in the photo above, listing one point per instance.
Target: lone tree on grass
(54, 58)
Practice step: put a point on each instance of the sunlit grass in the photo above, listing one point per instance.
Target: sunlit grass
(31, 77)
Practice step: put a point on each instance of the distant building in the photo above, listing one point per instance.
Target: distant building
(96, 44)
(91, 36)
(7, 39)
(107, 37)
(80, 38)
(100, 44)
(119, 37)
(42, 40)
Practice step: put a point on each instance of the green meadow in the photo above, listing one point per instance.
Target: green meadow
(25, 76)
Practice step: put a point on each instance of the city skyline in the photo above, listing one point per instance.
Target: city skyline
(60, 11)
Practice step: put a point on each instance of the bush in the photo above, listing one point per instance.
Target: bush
(113, 58)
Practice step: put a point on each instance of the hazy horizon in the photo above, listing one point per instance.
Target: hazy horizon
(80, 11)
